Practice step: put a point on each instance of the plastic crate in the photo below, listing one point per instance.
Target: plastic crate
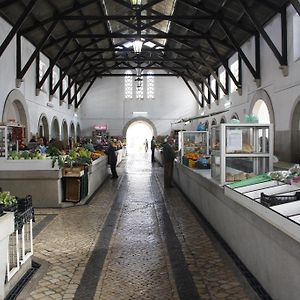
(192, 163)
(24, 203)
(268, 201)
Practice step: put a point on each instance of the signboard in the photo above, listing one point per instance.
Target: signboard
(234, 140)
(100, 127)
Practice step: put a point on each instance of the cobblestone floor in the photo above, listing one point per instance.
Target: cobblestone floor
(134, 240)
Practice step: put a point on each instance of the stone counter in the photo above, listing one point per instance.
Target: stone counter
(7, 227)
(46, 186)
(266, 242)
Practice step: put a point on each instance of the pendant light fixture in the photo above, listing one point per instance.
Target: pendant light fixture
(136, 3)
(137, 46)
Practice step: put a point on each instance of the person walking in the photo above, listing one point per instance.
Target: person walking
(153, 145)
(146, 145)
(112, 160)
(169, 155)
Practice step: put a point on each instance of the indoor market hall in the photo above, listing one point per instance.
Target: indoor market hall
(134, 239)
(149, 149)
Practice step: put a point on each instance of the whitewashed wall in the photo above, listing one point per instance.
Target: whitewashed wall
(105, 104)
(284, 92)
(36, 105)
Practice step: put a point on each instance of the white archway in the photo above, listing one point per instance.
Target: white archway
(43, 127)
(64, 133)
(78, 132)
(136, 135)
(261, 111)
(223, 120)
(72, 130)
(15, 110)
(55, 129)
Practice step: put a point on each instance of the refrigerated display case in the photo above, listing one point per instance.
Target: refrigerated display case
(193, 143)
(10, 139)
(240, 151)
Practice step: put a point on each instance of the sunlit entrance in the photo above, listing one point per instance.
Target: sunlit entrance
(136, 135)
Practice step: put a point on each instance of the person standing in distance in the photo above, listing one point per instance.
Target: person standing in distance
(153, 145)
(169, 155)
(112, 160)
(146, 145)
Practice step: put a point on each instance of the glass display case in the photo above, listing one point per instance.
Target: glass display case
(193, 144)
(240, 151)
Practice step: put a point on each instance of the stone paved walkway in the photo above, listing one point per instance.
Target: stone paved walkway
(134, 240)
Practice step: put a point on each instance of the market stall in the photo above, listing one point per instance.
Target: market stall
(16, 240)
(261, 229)
(264, 239)
(46, 176)
(7, 228)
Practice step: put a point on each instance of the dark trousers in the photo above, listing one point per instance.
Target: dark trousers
(113, 169)
(168, 173)
(152, 154)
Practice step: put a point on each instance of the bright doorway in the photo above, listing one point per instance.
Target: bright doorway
(136, 135)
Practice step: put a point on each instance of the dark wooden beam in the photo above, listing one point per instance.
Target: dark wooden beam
(38, 48)
(217, 16)
(225, 65)
(85, 93)
(65, 73)
(192, 91)
(17, 26)
(6, 3)
(18, 55)
(142, 75)
(239, 50)
(52, 64)
(74, 80)
(296, 5)
(257, 55)
(199, 89)
(158, 16)
(270, 5)
(73, 9)
(281, 59)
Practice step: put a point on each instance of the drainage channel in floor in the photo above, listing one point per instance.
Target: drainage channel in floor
(13, 294)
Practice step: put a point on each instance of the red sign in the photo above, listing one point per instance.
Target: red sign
(100, 127)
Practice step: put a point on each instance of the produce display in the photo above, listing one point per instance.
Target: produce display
(292, 176)
(246, 148)
(14, 155)
(238, 176)
(7, 200)
(193, 147)
(74, 157)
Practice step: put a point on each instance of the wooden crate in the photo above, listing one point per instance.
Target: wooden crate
(73, 172)
(72, 189)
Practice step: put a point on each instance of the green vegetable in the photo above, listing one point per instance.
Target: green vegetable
(7, 200)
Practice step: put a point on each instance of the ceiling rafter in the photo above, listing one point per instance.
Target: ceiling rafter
(197, 32)
(199, 6)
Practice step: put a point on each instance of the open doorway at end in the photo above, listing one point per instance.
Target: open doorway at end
(136, 135)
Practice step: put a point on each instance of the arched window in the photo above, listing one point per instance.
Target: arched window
(261, 111)
(139, 92)
(128, 85)
(150, 85)
(223, 120)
